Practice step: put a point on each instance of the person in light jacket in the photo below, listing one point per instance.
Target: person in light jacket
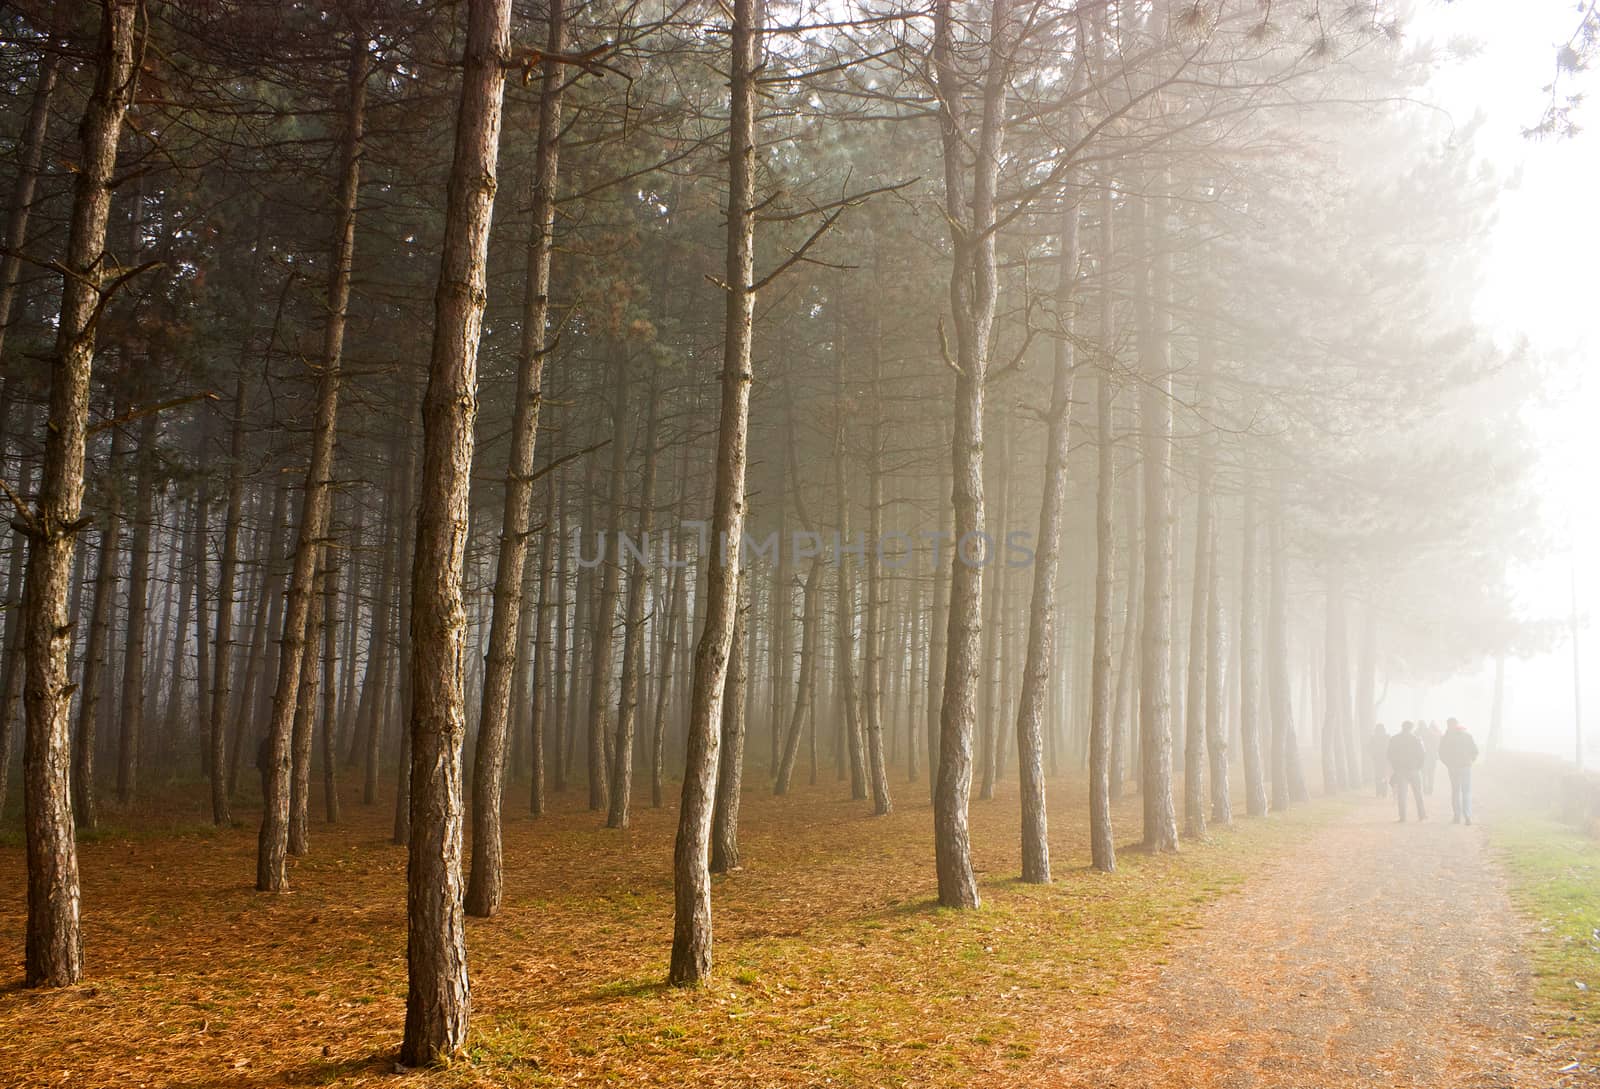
(1457, 752)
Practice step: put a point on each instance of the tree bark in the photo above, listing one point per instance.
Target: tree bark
(31, 141)
(973, 293)
(1255, 785)
(691, 933)
(485, 880)
(438, 1004)
(131, 716)
(633, 646)
(84, 795)
(54, 946)
(1102, 843)
(272, 848)
(730, 773)
(1040, 651)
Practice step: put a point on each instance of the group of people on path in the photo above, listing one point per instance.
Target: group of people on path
(1409, 762)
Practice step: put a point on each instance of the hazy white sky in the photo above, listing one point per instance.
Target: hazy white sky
(1540, 285)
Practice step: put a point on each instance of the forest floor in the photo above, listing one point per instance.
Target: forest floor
(1325, 947)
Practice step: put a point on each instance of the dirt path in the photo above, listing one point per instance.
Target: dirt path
(1382, 955)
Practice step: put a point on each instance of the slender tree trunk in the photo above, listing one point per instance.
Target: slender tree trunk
(305, 721)
(31, 142)
(1216, 693)
(1255, 785)
(438, 1005)
(272, 849)
(1287, 780)
(633, 646)
(1102, 724)
(677, 606)
(1152, 296)
(730, 773)
(939, 623)
(691, 932)
(973, 293)
(1047, 560)
(84, 795)
(330, 692)
(54, 947)
(485, 881)
(873, 621)
(222, 676)
(1194, 758)
(604, 624)
(845, 592)
(539, 667)
(131, 718)
(807, 681)
(266, 599)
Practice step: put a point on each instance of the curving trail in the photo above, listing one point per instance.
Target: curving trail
(1379, 955)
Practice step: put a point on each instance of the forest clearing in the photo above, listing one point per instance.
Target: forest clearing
(1277, 953)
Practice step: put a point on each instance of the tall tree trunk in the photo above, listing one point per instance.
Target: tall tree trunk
(485, 881)
(539, 667)
(1152, 300)
(844, 588)
(227, 576)
(54, 953)
(604, 623)
(1216, 693)
(973, 293)
(330, 692)
(131, 717)
(1194, 758)
(1255, 784)
(1042, 606)
(807, 680)
(13, 668)
(272, 848)
(873, 621)
(939, 625)
(730, 773)
(84, 795)
(304, 725)
(633, 646)
(438, 1005)
(31, 141)
(1336, 687)
(270, 592)
(691, 877)
(676, 606)
(1288, 784)
(1102, 844)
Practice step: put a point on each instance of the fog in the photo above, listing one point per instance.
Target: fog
(827, 459)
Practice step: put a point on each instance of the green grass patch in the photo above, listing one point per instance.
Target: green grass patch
(1555, 882)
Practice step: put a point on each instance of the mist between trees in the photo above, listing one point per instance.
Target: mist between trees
(894, 550)
(337, 335)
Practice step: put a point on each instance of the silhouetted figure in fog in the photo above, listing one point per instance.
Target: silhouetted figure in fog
(1429, 734)
(1457, 751)
(1378, 747)
(1406, 756)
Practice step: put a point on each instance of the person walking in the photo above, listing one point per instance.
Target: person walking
(1457, 752)
(1406, 755)
(1378, 750)
(1428, 732)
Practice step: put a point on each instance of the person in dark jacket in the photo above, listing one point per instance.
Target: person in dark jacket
(1457, 751)
(1378, 748)
(1405, 761)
